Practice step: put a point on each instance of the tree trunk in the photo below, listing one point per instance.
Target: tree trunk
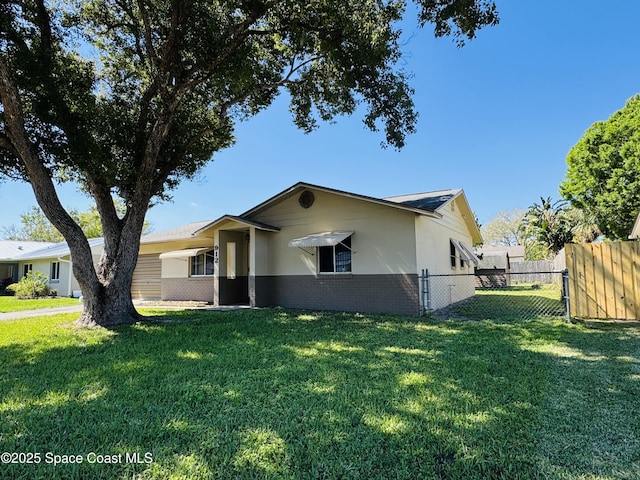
(107, 293)
(108, 306)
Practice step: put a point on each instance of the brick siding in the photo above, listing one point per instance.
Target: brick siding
(398, 294)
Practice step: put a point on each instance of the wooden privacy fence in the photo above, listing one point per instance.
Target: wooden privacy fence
(538, 271)
(604, 280)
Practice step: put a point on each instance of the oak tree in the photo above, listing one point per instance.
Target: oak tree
(129, 97)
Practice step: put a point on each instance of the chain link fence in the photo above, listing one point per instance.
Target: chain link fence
(496, 296)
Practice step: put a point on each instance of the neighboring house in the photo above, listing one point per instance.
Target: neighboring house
(493, 270)
(314, 247)
(54, 260)
(635, 231)
(9, 250)
(515, 252)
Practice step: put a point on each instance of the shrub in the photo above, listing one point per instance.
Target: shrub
(35, 284)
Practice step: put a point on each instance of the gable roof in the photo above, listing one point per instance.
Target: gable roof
(12, 248)
(430, 201)
(426, 203)
(300, 186)
(241, 220)
(180, 232)
(55, 250)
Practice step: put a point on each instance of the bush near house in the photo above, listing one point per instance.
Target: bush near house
(33, 285)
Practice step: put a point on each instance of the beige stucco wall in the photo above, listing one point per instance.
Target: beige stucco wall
(175, 267)
(382, 242)
(433, 253)
(261, 244)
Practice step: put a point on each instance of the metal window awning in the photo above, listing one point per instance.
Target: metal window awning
(324, 239)
(189, 252)
(465, 252)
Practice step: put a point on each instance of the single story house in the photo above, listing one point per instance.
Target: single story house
(515, 252)
(309, 247)
(9, 250)
(54, 260)
(314, 247)
(493, 270)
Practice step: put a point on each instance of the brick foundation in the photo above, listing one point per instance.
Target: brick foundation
(198, 289)
(398, 294)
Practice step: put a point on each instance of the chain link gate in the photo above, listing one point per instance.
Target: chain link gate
(499, 297)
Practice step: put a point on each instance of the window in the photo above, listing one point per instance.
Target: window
(55, 271)
(458, 250)
(28, 267)
(202, 264)
(454, 256)
(336, 258)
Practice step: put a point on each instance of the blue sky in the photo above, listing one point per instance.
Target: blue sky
(497, 118)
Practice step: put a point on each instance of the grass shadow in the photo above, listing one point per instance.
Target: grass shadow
(280, 394)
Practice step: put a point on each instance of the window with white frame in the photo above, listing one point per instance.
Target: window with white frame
(27, 267)
(55, 271)
(335, 258)
(202, 265)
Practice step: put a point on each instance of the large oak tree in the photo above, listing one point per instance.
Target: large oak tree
(129, 97)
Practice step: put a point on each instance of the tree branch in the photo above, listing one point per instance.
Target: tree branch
(39, 175)
(147, 34)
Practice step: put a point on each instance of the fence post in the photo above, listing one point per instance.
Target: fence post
(426, 294)
(565, 294)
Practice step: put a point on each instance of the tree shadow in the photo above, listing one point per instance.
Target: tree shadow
(283, 394)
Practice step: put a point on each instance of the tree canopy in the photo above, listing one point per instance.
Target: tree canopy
(36, 227)
(129, 97)
(504, 229)
(547, 226)
(603, 175)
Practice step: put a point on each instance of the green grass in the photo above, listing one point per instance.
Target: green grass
(13, 304)
(512, 304)
(297, 395)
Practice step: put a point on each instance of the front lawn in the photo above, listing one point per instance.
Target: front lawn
(12, 304)
(295, 395)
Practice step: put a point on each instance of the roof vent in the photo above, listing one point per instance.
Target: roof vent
(306, 199)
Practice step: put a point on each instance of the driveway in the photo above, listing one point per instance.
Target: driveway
(42, 312)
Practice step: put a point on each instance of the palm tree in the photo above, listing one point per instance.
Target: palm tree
(547, 225)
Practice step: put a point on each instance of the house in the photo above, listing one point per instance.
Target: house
(314, 247)
(493, 270)
(174, 265)
(309, 247)
(515, 252)
(635, 231)
(54, 260)
(9, 267)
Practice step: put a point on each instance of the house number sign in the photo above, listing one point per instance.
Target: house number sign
(215, 254)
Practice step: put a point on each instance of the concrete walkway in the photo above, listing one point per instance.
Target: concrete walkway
(42, 312)
(46, 312)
